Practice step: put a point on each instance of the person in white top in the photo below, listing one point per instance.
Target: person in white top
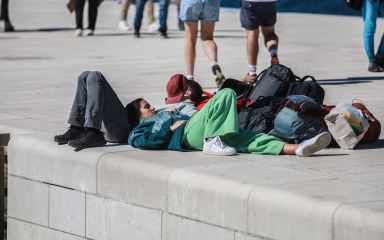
(255, 14)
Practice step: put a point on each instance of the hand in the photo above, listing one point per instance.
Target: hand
(177, 124)
(172, 110)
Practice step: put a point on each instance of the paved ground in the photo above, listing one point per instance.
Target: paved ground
(40, 62)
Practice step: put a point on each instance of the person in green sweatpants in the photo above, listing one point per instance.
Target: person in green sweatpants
(219, 118)
(214, 130)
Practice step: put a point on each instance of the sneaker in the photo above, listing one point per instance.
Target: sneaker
(274, 60)
(78, 32)
(88, 32)
(137, 31)
(153, 27)
(8, 26)
(216, 147)
(163, 32)
(123, 26)
(310, 146)
(249, 79)
(72, 134)
(219, 76)
(90, 138)
(374, 67)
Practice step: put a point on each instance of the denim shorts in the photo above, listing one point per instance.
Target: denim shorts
(256, 14)
(203, 10)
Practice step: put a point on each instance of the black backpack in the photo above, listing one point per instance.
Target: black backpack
(260, 115)
(308, 88)
(354, 4)
(273, 81)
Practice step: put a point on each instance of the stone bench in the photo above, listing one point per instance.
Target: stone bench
(118, 192)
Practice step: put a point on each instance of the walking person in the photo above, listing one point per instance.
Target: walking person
(123, 22)
(92, 15)
(163, 15)
(207, 12)
(370, 11)
(4, 16)
(256, 15)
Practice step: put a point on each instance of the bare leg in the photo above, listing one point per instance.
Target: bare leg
(252, 46)
(270, 38)
(289, 149)
(190, 45)
(209, 44)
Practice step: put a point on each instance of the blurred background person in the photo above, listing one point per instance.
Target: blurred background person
(4, 16)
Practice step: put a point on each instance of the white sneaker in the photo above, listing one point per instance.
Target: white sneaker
(153, 27)
(216, 147)
(310, 146)
(123, 26)
(78, 32)
(88, 32)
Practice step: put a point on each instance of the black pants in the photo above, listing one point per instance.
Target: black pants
(92, 13)
(4, 11)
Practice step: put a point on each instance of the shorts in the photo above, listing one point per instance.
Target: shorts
(256, 14)
(199, 10)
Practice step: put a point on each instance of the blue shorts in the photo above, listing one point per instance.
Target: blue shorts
(199, 10)
(256, 14)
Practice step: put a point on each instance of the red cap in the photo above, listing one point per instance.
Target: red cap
(175, 88)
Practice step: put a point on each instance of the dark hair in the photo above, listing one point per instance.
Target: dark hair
(133, 112)
(196, 91)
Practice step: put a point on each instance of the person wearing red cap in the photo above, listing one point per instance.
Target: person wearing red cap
(213, 130)
(182, 95)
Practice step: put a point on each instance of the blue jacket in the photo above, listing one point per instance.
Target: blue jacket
(155, 133)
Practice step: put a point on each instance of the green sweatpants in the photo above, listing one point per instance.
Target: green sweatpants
(219, 118)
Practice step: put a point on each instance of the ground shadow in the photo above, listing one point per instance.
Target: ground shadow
(349, 80)
(45, 30)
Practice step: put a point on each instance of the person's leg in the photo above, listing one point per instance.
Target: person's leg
(92, 14)
(149, 14)
(97, 106)
(217, 118)
(369, 11)
(4, 10)
(252, 46)
(5, 16)
(79, 4)
(139, 16)
(190, 45)
(271, 42)
(380, 50)
(124, 10)
(163, 15)
(209, 45)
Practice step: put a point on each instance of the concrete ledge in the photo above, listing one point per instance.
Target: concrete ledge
(116, 191)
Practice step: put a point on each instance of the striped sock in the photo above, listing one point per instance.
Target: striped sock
(252, 70)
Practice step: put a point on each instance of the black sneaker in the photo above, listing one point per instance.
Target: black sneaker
(374, 67)
(8, 26)
(137, 31)
(163, 32)
(90, 138)
(220, 79)
(72, 133)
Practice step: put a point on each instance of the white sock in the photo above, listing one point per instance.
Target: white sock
(213, 63)
(252, 70)
(189, 77)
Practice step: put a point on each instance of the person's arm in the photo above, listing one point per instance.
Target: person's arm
(147, 140)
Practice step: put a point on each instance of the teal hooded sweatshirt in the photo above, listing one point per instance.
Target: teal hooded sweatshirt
(155, 133)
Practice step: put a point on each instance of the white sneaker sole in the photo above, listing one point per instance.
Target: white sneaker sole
(209, 152)
(321, 142)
